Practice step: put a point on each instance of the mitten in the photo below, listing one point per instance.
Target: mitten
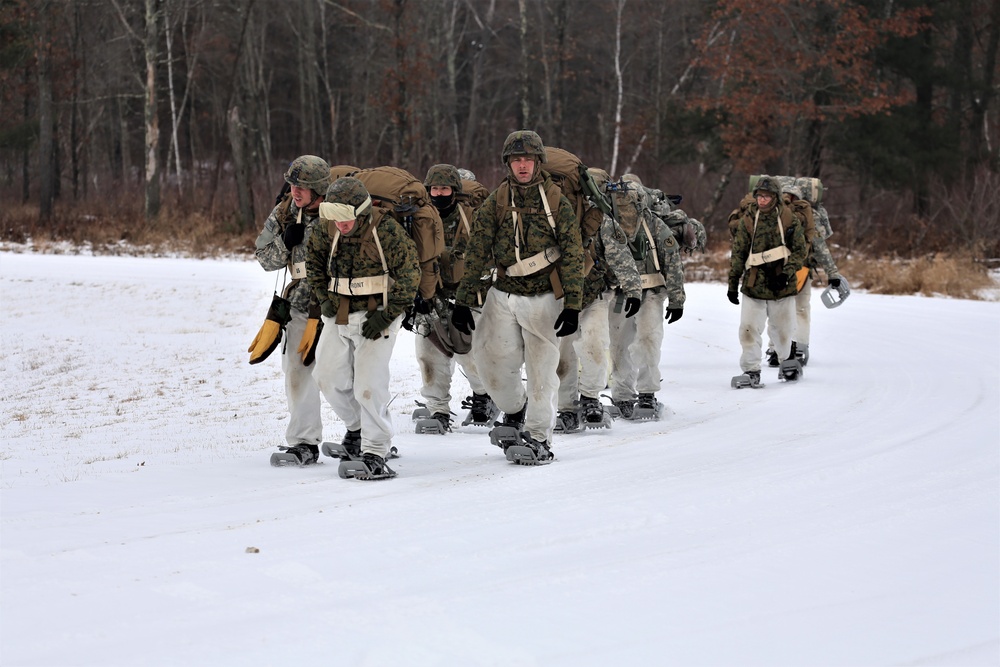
(461, 319)
(734, 297)
(314, 327)
(376, 322)
(267, 339)
(294, 233)
(567, 323)
(674, 314)
(631, 306)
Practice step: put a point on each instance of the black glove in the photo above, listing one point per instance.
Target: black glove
(294, 233)
(834, 282)
(734, 297)
(567, 323)
(422, 305)
(375, 324)
(631, 306)
(461, 319)
(407, 322)
(778, 283)
(674, 314)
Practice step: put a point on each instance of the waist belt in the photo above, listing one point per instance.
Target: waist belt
(651, 280)
(535, 263)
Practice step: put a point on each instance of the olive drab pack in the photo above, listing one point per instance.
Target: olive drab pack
(403, 195)
(569, 173)
(474, 193)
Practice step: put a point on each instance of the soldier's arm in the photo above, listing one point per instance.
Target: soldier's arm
(570, 266)
(797, 245)
(404, 266)
(317, 251)
(619, 258)
(269, 249)
(671, 265)
(478, 253)
(738, 256)
(821, 254)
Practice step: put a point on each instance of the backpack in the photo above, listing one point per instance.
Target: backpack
(474, 193)
(570, 174)
(689, 232)
(801, 206)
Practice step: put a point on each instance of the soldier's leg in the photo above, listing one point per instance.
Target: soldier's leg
(781, 325)
(498, 350)
(648, 343)
(305, 422)
(333, 371)
(371, 383)
(623, 369)
(753, 315)
(436, 369)
(568, 371)
(468, 364)
(803, 315)
(592, 347)
(536, 316)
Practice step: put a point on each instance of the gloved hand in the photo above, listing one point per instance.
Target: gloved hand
(567, 323)
(407, 322)
(631, 306)
(778, 283)
(269, 335)
(461, 319)
(310, 338)
(674, 314)
(375, 324)
(422, 305)
(734, 297)
(834, 282)
(294, 233)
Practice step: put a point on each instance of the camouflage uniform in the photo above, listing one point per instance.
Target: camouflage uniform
(819, 257)
(305, 424)
(636, 342)
(587, 349)
(517, 324)
(756, 232)
(352, 370)
(436, 367)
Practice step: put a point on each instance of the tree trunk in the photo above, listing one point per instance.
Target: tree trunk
(241, 165)
(46, 139)
(151, 44)
(524, 110)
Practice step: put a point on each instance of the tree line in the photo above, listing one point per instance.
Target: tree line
(199, 104)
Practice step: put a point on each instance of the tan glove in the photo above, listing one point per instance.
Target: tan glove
(314, 327)
(267, 339)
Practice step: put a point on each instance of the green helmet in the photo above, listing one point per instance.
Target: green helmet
(767, 184)
(523, 142)
(444, 175)
(309, 171)
(348, 191)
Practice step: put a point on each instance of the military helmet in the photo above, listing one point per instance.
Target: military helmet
(344, 197)
(767, 184)
(309, 171)
(793, 190)
(523, 142)
(444, 175)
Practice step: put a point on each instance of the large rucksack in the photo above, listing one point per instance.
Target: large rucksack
(569, 173)
(474, 193)
(404, 196)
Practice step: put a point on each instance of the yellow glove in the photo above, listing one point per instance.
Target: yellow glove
(307, 348)
(267, 339)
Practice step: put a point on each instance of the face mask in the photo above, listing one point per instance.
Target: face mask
(442, 202)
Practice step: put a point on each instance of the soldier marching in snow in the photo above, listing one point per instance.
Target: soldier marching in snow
(363, 268)
(529, 230)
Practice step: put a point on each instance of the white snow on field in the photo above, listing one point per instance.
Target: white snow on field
(852, 518)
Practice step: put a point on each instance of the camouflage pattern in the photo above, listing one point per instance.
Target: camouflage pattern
(309, 171)
(357, 257)
(822, 219)
(444, 175)
(492, 243)
(453, 259)
(765, 238)
(347, 190)
(767, 184)
(523, 142)
(272, 254)
(614, 267)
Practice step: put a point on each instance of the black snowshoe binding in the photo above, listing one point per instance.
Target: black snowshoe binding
(349, 448)
(772, 358)
(482, 410)
(595, 415)
(622, 409)
(295, 455)
(801, 353)
(438, 423)
(529, 452)
(371, 466)
(567, 421)
(749, 379)
(508, 431)
(790, 370)
(647, 408)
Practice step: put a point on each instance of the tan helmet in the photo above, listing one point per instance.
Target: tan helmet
(346, 199)
(309, 171)
(523, 142)
(767, 184)
(444, 175)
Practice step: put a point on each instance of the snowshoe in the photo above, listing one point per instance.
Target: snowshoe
(437, 424)
(749, 379)
(349, 449)
(370, 466)
(505, 436)
(482, 410)
(595, 415)
(514, 419)
(647, 408)
(801, 353)
(529, 452)
(295, 455)
(833, 297)
(790, 370)
(772, 359)
(567, 421)
(621, 409)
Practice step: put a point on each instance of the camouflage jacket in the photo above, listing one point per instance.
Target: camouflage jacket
(613, 266)
(272, 254)
(820, 257)
(746, 241)
(492, 242)
(357, 256)
(456, 244)
(667, 254)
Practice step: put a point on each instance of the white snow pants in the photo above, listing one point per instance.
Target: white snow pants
(437, 370)
(353, 374)
(516, 331)
(778, 315)
(583, 357)
(803, 315)
(305, 422)
(636, 345)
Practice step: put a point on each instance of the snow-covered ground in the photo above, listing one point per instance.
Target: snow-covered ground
(852, 518)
